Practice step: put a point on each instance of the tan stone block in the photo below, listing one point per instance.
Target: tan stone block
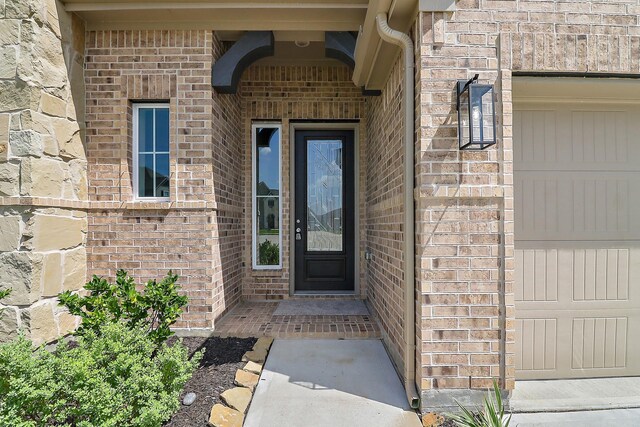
(67, 133)
(432, 419)
(39, 322)
(67, 323)
(8, 62)
(9, 31)
(10, 233)
(25, 143)
(4, 135)
(253, 367)
(221, 416)
(78, 171)
(263, 343)
(42, 177)
(41, 61)
(258, 356)
(246, 379)
(16, 95)
(53, 106)
(8, 323)
(9, 179)
(52, 276)
(56, 232)
(21, 271)
(30, 119)
(50, 146)
(75, 269)
(237, 398)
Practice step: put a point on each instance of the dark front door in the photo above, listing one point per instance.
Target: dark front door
(324, 210)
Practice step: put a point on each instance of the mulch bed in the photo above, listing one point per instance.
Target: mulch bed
(216, 373)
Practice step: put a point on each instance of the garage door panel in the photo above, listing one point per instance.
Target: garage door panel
(577, 205)
(574, 136)
(599, 343)
(577, 279)
(577, 239)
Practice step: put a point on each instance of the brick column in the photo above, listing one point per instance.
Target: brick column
(464, 225)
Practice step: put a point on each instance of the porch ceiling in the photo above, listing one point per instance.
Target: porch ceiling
(289, 19)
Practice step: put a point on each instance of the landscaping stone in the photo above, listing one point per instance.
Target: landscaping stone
(253, 367)
(188, 399)
(431, 419)
(238, 398)
(258, 356)
(221, 416)
(246, 379)
(263, 343)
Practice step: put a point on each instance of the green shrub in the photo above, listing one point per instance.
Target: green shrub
(115, 378)
(268, 253)
(492, 415)
(155, 309)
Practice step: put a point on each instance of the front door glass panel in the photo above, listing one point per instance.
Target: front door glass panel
(324, 195)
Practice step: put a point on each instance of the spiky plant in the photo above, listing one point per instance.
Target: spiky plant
(491, 415)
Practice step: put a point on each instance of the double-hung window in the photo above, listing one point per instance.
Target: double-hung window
(267, 207)
(151, 151)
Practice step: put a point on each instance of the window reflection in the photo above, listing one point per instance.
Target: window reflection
(324, 195)
(267, 196)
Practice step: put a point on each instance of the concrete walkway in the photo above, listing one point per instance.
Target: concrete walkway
(609, 418)
(329, 383)
(576, 395)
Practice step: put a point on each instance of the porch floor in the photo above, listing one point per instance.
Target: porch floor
(257, 319)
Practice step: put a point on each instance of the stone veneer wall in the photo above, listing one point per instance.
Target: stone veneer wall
(384, 221)
(43, 187)
(465, 199)
(198, 233)
(283, 93)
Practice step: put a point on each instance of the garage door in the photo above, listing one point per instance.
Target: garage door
(577, 227)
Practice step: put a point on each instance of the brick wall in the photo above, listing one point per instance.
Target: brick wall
(465, 203)
(196, 234)
(284, 93)
(384, 221)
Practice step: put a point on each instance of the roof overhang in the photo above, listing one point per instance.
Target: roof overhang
(289, 20)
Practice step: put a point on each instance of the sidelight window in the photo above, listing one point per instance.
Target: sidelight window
(267, 206)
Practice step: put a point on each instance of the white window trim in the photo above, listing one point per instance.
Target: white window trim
(136, 195)
(254, 207)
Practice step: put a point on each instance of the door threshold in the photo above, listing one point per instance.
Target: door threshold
(317, 294)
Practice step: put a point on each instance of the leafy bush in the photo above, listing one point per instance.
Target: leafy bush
(268, 253)
(492, 415)
(155, 309)
(117, 377)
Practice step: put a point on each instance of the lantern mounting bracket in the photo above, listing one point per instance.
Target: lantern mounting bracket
(462, 85)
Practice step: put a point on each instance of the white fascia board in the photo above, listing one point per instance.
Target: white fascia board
(437, 5)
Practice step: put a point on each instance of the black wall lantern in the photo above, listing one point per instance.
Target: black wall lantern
(476, 115)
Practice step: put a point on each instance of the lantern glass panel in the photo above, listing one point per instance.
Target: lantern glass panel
(463, 118)
(482, 115)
